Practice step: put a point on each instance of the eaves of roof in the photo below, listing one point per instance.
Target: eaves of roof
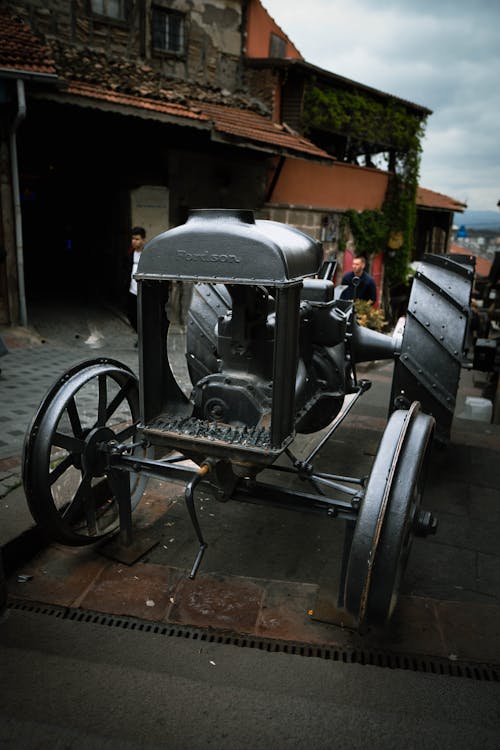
(240, 127)
(312, 70)
(88, 95)
(254, 128)
(432, 200)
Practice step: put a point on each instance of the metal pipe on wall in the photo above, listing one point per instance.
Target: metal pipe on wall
(20, 115)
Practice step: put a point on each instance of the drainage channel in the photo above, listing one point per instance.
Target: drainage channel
(368, 657)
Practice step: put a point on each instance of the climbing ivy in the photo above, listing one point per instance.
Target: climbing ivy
(369, 229)
(361, 116)
(387, 126)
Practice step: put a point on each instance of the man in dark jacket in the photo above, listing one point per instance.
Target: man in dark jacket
(365, 284)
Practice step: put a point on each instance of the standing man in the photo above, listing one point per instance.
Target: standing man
(137, 244)
(365, 284)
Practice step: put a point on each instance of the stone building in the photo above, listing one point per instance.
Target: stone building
(122, 112)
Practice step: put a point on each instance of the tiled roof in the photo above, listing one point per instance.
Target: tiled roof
(95, 75)
(253, 127)
(135, 77)
(430, 199)
(20, 50)
(225, 122)
(140, 102)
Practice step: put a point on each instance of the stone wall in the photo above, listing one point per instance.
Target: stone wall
(313, 221)
(212, 33)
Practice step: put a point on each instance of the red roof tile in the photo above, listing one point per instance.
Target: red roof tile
(92, 74)
(430, 199)
(230, 121)
(254, 127)
(133, 76)
(115, 97)
(20, 50)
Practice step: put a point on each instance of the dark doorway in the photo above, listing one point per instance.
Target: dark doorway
(75, 208)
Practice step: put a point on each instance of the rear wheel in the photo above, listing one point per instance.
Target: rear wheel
(209, 302)
(434, 339)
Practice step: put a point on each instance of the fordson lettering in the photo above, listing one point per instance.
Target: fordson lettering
(208, 257)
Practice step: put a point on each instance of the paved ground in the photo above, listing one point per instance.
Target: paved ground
(59, 337)
(87, 683)
(266, 572)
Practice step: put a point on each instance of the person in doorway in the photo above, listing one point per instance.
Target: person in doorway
(137, 244)
(365, 285)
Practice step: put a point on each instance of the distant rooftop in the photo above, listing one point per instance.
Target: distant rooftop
(430, 199)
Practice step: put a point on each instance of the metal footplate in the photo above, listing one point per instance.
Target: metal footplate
(188, 434)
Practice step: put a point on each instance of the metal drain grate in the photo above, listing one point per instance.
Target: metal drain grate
(372, 657)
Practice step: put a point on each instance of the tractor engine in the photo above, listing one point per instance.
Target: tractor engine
(239, 391)
(269, 350)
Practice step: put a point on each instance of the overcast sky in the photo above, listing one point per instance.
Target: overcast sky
(441, 54)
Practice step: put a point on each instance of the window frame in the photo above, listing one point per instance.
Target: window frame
(107, 18)
(157, 10)
(274, 41)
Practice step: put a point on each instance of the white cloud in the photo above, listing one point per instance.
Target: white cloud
(441, 55)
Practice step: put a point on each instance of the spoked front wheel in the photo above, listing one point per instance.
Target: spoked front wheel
(388, 517)
(64, 464)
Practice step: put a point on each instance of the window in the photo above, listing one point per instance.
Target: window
(277, 46)
(110, 8)
(168, 31)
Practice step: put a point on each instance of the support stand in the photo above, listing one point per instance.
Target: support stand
(329, 604)
(125, 547)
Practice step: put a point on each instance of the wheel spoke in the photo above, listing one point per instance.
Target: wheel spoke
(68, 442)
(74, 417)
(118, 400)
(61, 468)
(103, 399)
(86, 503)
(73, 511)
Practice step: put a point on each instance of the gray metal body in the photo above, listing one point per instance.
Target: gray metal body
(270, 353)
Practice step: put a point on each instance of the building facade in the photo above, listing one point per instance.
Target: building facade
(122, 112)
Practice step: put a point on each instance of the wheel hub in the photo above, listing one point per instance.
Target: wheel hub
(93, 457)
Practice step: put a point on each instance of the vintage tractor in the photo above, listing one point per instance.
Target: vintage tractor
(271, 354)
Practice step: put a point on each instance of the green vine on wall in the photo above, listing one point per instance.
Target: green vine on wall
(369, 229)
(361, 117)
(376, 126)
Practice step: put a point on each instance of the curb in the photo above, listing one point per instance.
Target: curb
(22, 549)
